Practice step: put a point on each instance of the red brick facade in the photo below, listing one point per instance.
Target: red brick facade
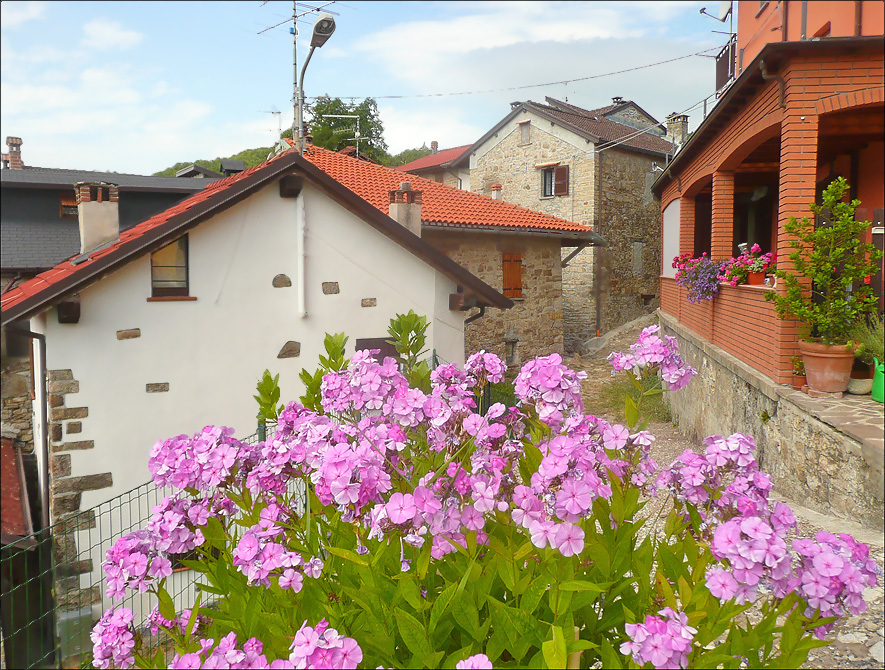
(805, 88)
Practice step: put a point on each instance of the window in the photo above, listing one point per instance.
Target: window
(169, 274)
(525, 132)
(671, 238)
(512, 275)
(637, 256)
(67, 206)
(555, 181)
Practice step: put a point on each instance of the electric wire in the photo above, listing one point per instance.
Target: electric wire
(517, 88)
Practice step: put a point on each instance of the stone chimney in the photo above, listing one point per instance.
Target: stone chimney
(15, 153)
(99, 213)
(677, 128)
(434, 147)
(405, 207)
(497, 192)
(617, 100)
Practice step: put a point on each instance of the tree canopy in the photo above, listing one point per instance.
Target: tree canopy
(335, 133)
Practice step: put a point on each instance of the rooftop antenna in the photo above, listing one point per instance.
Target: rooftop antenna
(344, 130)
(273, 110)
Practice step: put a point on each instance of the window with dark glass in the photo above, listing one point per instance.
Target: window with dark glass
(555, 181)
(169, 272)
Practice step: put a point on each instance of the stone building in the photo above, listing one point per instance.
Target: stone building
(447, 166)
(593, 167)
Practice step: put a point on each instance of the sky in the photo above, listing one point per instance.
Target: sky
(138, 86)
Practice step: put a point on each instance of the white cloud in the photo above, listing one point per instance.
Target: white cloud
(13, 14)
(103, 34)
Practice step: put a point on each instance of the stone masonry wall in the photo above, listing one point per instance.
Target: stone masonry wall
(535, 320)
(15, 393)
(511, 163)
(808, 460)
(629, 219)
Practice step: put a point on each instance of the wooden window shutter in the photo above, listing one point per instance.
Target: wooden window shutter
(560, 180)
(512, 275)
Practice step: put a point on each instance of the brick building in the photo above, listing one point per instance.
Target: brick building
(808, 105)
(593, 167)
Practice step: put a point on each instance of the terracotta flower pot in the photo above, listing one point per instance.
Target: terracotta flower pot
(798, 382)
(827, 366)
(755, 278)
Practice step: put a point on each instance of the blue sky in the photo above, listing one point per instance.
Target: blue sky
(137, 86)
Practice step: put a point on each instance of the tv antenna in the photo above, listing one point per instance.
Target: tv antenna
(279, 141)
(356, 130)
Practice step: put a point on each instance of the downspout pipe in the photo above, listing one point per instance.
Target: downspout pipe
(481, 313)
(44, 423)
(301, 256)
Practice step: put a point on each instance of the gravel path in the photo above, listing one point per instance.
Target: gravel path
(858, 641)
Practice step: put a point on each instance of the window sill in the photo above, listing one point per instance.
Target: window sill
(172, 298)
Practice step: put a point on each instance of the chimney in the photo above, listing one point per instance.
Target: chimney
(617, 100)
(99, 214)
(434, 147)
(15, 153)
(497, 192)
(405, 207)
(677, 128)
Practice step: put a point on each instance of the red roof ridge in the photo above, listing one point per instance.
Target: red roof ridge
(441, 157)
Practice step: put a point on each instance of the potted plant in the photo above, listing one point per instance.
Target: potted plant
(759, 265)
(699, 275)
(798, 373)
(826, 290)
(869, 334)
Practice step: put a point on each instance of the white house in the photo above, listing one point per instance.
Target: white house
(167, 327)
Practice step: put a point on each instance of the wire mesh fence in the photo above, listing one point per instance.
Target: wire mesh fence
(52, 583)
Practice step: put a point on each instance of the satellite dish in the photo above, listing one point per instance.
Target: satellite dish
(724, 9)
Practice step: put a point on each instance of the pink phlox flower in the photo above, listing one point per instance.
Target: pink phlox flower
(475, 662)
(569, 539)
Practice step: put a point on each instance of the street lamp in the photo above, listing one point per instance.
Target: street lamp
(322, 31)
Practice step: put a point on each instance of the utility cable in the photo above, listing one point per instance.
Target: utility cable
(518, 88)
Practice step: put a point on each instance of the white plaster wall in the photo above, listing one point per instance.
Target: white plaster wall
(212, 351)
(670, 238)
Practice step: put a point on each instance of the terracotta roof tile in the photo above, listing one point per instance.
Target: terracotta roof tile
(434, 160)
(442, 205)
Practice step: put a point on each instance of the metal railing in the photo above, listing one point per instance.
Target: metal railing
(53, 586)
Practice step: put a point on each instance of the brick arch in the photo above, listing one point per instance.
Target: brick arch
(749, 139)
(867, 96)
(698, 181)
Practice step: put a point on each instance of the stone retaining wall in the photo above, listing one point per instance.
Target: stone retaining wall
(810, 461)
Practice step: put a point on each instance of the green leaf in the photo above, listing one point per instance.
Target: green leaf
(167, 607)
(413, 634)
(348, 555)
(424, 560)
(441, 605)
(520, 622)
(631, 411)
(555, 652)
(191, 622)
(411, 593)
(523, 551)
(580, 585)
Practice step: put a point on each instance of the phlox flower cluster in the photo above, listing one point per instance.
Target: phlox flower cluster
(652, 353)
(485, 367)
(699, 275)
(180, 623)
(365, 384)
(112, 640)
(200, 462)
(664, 641)
(258, 555)
(226, 654)
(324, 647)
(734, 271)
(553, 389)
(133, 562)
(475, 662)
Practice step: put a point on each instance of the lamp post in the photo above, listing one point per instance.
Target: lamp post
(322, 31)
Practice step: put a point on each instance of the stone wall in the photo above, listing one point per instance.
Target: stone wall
(809, 460)
(630, 221)
(15, 391)
(535, 321)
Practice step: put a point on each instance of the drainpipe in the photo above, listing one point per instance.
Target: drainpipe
(301, 256)
(43, 473)
(481, 313)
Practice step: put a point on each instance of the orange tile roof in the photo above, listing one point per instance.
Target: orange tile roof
(442, 205)
(434, 160)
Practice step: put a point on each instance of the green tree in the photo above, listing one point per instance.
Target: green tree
(407, 156)
(249, 156)
(335, 134)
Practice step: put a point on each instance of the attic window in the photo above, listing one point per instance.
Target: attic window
(169, 270)
(554, 181)
(67, 206)
(525, 132)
